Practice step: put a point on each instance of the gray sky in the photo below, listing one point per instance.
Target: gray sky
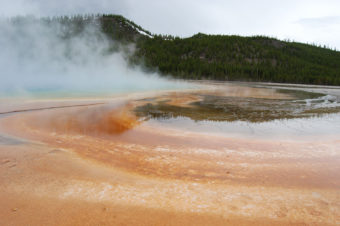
(312, 21)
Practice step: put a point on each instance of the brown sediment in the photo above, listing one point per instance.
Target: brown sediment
(244, 91)
(102, 165)
(180, 99)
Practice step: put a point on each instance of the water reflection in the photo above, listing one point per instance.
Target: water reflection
(326, 125)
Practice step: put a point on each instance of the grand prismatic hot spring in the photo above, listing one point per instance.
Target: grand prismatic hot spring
(214, 153)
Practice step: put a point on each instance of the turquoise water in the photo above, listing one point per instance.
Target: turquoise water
(102, 90)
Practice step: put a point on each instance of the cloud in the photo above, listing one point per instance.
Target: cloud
(319, 30)
(320, 21)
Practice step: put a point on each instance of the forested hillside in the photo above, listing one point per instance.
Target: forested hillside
(241, 58)
(218, 57)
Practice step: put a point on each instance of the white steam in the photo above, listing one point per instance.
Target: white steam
(35, 57)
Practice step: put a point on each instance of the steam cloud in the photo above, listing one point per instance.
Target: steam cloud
(35, 56)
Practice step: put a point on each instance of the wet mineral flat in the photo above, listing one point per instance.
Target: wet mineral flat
(224, 154)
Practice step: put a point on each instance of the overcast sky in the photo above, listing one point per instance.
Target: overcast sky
(312, 21)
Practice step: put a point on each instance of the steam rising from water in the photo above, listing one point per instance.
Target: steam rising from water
(40, 57)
